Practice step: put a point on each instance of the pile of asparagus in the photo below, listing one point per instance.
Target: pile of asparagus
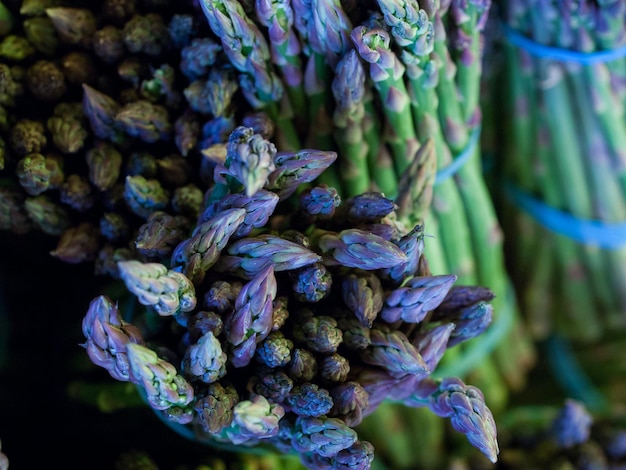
(106, 110)
(286, 317)
(373, 81)
(563, 146)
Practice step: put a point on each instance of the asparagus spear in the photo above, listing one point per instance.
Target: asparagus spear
(316, 85)
(348, 88)
(277, 16)
(379, 160)
(386, 71)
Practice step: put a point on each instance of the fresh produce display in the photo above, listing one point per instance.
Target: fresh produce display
(314, 233)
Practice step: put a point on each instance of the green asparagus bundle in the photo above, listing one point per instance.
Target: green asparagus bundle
(559, 171)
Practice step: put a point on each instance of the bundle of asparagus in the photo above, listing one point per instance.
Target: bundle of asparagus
(373, 80)
(562, 149)
(285, 322)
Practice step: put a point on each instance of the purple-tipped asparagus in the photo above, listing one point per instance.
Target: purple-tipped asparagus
(259, 208)
(321, 334)
(296, 168)
(303, 366)
(249, 159)
(274, 385)
(215, 407)
(359, 456)
(465, 406)
(309, 399)
(471, 322)
(147, 121)
(246, 48)
(107, 336)
(416, 298)
(365, 208)
(572, 425)
(161, 233)
(412, 244)
(392, 350)
(199, 252)
(105, 163)
(350, 400)
(363, 295)
(101, 111)
(319, 202)
(278, 17)
(460, 297)
(78, 244)
(163, 386)
(311, 283)
(205, 360)
(356, 248)
(221, 296)
(247, 256)
(332, 27)
(144, 196)
(168, 292)
(275, 350)
(334, 368)
(323, 436)
(432, 344)
(254, 420)
(251, 320)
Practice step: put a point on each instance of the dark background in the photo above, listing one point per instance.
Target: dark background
(42, 303)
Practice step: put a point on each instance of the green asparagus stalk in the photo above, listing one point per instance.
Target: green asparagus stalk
(317, 78)
(348, 88)
(277, 17)
(386, 71)
(380, 163)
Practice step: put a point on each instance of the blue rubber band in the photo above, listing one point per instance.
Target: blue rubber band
(559, 54)
(607, 235)
(460, 159)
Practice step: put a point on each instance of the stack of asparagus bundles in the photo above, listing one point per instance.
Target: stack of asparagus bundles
(287, 317)
(563, 147)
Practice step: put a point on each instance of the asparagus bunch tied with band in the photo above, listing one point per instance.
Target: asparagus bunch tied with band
(289, 330)
(562, 149)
